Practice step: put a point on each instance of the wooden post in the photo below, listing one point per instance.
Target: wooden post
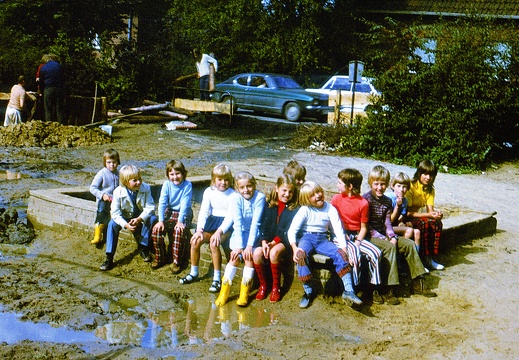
(211, 77)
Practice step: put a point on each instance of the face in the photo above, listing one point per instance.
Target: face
(111, 164)
(299, 182)
(176, 177)
(317, 199)
(246, 188)
(400, 189)
(426, 179)
(378, 187)
(134, 184)
(341, 186)
(221, 184)
(285, 192)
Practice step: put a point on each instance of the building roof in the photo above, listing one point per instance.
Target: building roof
(506, 9)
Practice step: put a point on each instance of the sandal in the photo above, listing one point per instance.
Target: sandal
(215, 286)
(188, 279)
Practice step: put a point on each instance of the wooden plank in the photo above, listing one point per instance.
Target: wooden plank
(5, 96)
(204, 106)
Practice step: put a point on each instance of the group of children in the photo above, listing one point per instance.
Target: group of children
(369, 232)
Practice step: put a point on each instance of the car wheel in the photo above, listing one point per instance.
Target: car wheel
(227, 100)
(292, 111)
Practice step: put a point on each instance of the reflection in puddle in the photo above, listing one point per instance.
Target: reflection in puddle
(201, 323)
(13, 330)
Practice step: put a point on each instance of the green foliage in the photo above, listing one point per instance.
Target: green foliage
(450, 111)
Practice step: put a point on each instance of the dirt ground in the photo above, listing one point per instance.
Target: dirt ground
(147, 314)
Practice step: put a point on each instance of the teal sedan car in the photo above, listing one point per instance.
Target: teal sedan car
(273, 94)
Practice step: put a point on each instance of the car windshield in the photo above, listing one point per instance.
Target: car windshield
(284, 82)
(341, 84)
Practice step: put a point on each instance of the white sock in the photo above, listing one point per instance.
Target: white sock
(248, 273)
(217, 275)
(230, 272)
(194, 271)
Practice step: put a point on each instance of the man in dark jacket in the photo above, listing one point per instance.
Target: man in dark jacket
(51, 75)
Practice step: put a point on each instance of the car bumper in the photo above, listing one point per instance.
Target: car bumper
(319, 109)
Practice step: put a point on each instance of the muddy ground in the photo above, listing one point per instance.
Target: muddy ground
(147, 314)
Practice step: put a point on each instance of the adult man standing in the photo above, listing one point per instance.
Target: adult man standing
(51, 75)
(16, 108)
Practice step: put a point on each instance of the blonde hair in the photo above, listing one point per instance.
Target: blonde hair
(128, 172)
(224, 172)
(112, 155)
(401, 178)
(245, 175)
(378, 173)
(273, 199)
(307, 190)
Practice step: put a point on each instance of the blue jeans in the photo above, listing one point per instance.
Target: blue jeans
(142, 237)
(103, 212)
(320, 244)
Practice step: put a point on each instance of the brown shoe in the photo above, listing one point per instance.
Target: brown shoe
(175, 269)
(377, 299)
(390, 298)
(418, 287)
(155, 265)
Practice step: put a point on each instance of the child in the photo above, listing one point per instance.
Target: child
(175, 215)
(297, 171)
(421, 194)
(384, 237)
(213, 209)
(314, 219)
(400, 184)
(102, 187)
(354, 213)
(245, 210)
(281, 207)
(132, 208)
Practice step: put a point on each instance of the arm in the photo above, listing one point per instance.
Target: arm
(97, 185)
(337, 227)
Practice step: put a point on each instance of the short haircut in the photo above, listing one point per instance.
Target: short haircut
(272, 198)
(378, 173)
(112, 155)
(401, 178)
(21, 79)
(128, 172)
(177, 166)
(306, 191)
(295, 169)
(222, 171)
(426, 167)
(245, 175)
(353, 177)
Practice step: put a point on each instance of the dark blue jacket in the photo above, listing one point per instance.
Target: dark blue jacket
(270, 228)
(52, 74)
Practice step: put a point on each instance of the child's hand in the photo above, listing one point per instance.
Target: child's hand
(107, 197)
(299, 256)
(436, 215)
(235, 254)
(399, 200)
(159, 227)
(180, 227)
(216, 238)
(197, 236)
(266, 248)
(247, 253)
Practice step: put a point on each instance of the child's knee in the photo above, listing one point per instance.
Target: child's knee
(409, 233)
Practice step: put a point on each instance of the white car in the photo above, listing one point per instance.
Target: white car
(364, 90)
